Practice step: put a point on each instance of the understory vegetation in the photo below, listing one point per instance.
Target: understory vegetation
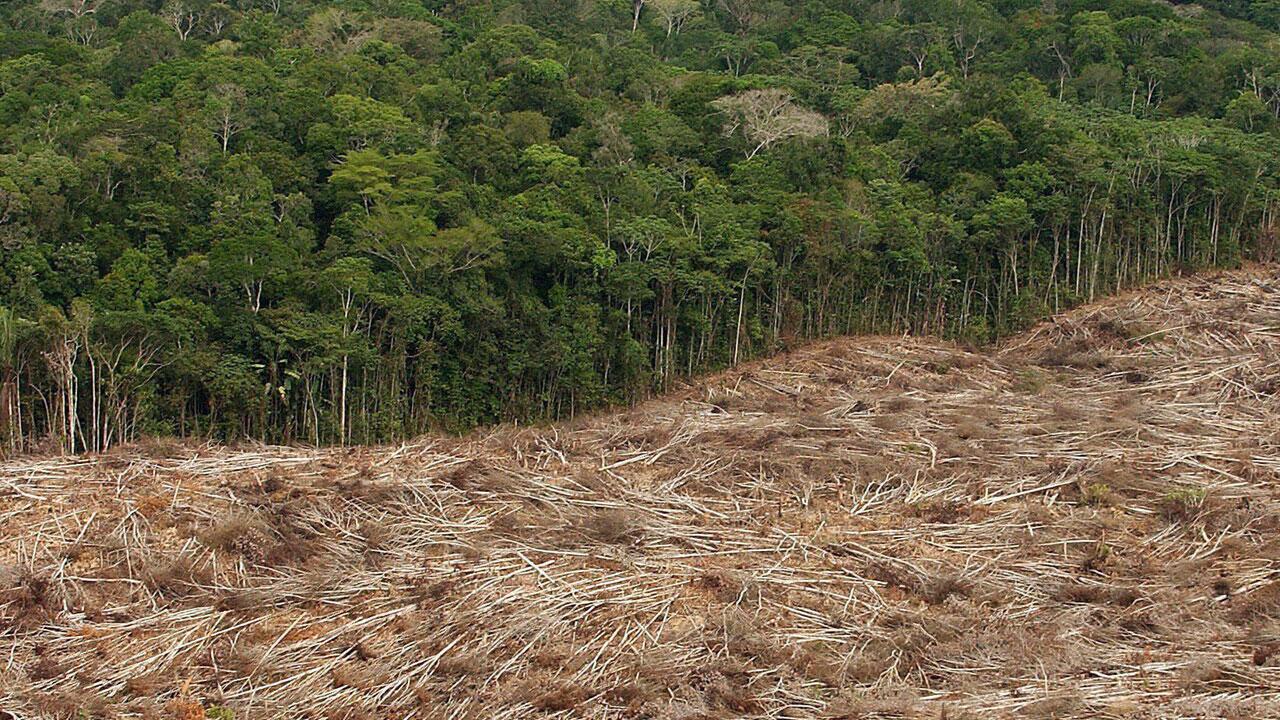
(333, 222)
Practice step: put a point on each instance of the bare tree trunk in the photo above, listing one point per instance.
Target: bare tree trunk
(737, 333)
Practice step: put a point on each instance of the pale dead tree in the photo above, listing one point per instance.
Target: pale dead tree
(217, 19)
(1146, 86)
(636, 7)
(226, 107)
(182, 17)
(675, 13)
(919, 54)
(1256, 80)
(1064, 68)
(1252, 76)
(966, 48)
(972, 25)
(82, 30)
(75, 8)
(920, 42)
(768, 116)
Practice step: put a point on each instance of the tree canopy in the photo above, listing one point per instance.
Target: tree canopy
(348, 221)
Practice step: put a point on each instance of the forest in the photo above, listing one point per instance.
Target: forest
(354, 221)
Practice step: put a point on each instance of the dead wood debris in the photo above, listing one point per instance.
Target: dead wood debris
(1081, 523)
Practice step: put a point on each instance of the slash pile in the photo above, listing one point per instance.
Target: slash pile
(1083, 522)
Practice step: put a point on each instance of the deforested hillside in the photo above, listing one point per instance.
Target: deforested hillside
(1080, 523)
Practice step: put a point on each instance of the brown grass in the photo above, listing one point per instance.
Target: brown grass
(615, 526)
(1079, 523)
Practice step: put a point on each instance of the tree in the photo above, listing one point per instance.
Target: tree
(80, 25)
(745, 15)
(1094, 37)
(76, 9)
(250, 248)
(922, 42)
(181, 15)
(131, 285)
(12, 332)
(64, 342)
(767, 117)
(352, 280)
(217, 18)
(364, 122)
(226, 108)
(1249, 113)
(675, 14)
(973, 25)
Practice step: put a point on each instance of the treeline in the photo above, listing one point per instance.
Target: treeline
(334, 222)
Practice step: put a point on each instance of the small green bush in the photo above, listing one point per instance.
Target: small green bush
(1182, 503)
(1097, 494)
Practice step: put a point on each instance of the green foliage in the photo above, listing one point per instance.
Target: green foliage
(1183, 503)
(1097, 494)
(345, 222)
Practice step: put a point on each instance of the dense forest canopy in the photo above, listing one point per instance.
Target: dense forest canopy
(356, 220)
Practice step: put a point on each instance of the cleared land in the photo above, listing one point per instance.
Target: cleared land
(1084, 522)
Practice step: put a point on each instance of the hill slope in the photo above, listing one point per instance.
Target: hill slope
(1082, 523)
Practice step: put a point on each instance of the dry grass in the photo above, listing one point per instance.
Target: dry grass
(1082, 523)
